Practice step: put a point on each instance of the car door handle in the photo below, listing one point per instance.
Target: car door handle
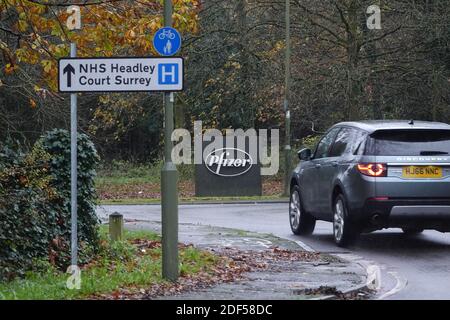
(318, 166)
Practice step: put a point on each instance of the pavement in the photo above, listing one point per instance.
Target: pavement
(292, 278)
(405, 267)
(281, 279)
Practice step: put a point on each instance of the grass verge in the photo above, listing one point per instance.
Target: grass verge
(137, 201)
(133, 263)
(126, 183)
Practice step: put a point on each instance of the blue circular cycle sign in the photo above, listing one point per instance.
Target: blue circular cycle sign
(167, 41)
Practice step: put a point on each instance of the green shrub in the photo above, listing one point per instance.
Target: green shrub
(57, 144)
(35, 204)
(24, 191)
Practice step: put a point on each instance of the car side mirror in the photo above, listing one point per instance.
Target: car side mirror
(305, 154)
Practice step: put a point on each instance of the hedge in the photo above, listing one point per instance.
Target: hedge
(35, 204)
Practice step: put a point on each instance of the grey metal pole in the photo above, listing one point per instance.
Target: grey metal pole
(287, 146)
(169, 178)
(73, 169)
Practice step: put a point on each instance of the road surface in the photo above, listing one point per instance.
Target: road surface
(416, 267)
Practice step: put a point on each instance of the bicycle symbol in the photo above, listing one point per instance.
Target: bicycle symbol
(167, 41)
(166, 34)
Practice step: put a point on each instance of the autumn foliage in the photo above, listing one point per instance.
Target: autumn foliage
(37, 32)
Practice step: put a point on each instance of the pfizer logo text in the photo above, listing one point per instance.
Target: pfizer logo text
(228, 162)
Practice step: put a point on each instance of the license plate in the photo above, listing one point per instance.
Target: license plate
(422, 172)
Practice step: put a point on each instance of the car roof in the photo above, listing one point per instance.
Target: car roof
(375, 125)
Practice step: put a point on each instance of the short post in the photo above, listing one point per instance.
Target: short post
(115, 226)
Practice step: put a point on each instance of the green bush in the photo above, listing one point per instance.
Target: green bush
(57, 144)
(35, 204)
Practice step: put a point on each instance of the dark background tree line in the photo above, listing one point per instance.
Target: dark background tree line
(341, 70)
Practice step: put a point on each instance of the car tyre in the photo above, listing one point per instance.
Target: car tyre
(345, 231)
(302, 223)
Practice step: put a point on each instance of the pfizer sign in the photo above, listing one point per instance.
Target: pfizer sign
(228, 162)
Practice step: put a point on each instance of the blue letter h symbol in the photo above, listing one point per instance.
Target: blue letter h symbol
(168, 73)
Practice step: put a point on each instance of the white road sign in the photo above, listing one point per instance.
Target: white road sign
(120, 74)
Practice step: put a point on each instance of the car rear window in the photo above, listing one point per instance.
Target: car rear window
(409, 143)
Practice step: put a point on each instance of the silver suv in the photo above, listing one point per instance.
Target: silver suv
(369, 175)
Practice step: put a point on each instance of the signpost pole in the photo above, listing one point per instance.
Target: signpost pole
(169, 178)
(287, 146)
(73, 169)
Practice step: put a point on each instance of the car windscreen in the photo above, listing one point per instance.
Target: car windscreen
(409, 143)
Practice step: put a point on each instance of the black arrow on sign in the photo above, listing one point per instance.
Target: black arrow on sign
(69, 70)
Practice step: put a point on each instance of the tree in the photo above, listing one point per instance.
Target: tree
(33, 36)
(233, 80)
(343, 71)
(34, 31)
(234, 54)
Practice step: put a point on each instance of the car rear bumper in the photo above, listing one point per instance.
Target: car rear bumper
(403, 213)
(420, 212)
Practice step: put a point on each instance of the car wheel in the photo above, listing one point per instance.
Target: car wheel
(412, 231)
(302, 223)
(344, 231)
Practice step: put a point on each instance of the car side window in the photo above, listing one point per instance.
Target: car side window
(342, 143)
(323, 148)
(358, 143)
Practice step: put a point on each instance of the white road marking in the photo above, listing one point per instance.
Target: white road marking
(373, 276)
(373, 272)
(303, 245)
(400, 285)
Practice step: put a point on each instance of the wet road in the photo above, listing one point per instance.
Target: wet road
(415, 267)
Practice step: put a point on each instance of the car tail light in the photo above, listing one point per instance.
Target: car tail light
(373, 169)
(380, 198)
